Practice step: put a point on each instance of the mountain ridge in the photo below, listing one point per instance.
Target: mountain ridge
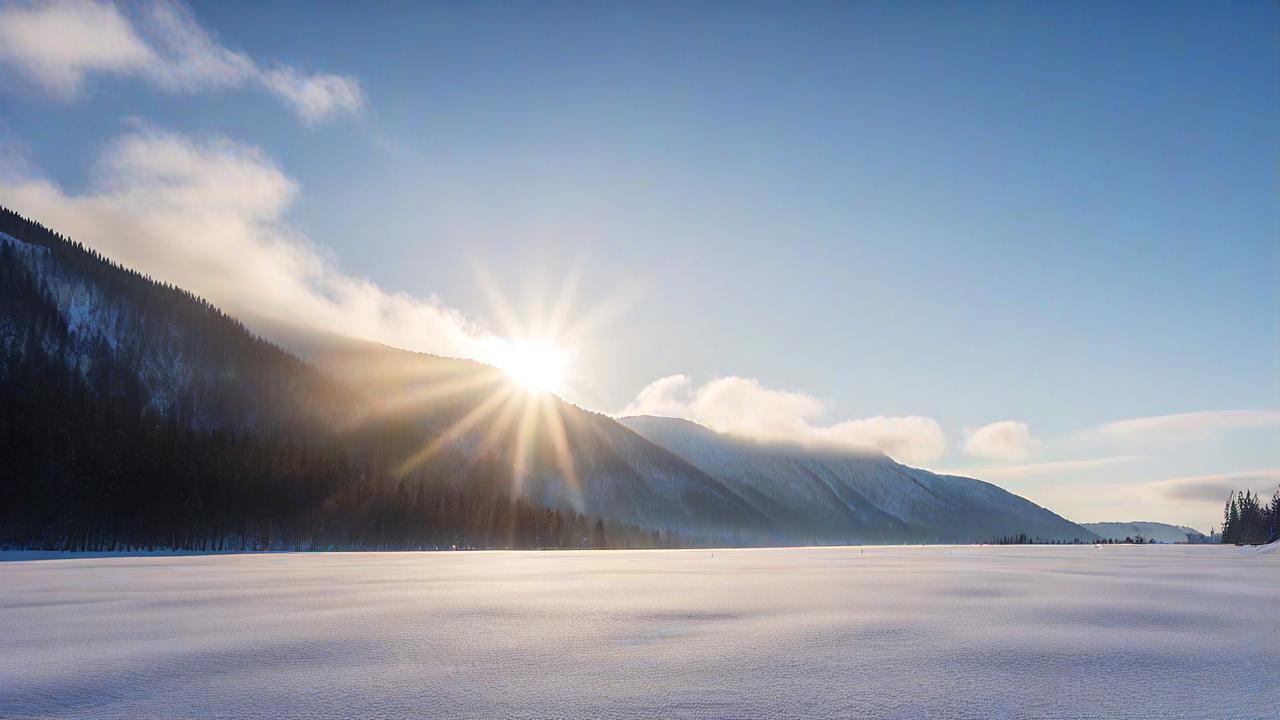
(868, 487)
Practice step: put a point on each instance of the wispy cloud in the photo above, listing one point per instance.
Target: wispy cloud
(59, 44)
(1216, 488)
(1187, 425)
(744, 407)
(1052, 469)
(207, 214)
(314, 97)
(1006, 440)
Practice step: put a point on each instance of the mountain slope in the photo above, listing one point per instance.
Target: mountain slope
(1159, 532)
(835, 495)
(560, 455)
(133, 414)
(187, 358)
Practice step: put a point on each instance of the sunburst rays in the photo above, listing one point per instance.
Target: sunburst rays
(455, 431)
(495, 414)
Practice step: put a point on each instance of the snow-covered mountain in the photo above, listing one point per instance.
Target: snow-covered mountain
(185, 356)
(102, 368)
(833, 495)
(1159, 532)
(553, 452)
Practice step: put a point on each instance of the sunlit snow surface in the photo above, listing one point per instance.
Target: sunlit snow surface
(1059, 632)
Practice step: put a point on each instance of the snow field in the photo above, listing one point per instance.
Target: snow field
(965, 631)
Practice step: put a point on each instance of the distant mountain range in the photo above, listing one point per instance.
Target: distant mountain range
(1159, 532)
(136, 414)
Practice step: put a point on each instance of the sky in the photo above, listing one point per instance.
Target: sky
(1033, 243)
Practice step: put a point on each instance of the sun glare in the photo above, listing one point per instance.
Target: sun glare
(536, 366)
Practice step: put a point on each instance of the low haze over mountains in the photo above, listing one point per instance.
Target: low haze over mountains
(1149, 531)
(137, 414)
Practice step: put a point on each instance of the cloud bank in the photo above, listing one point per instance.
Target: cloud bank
(744, 407)
(206, 214)
(1007, 440)
(1217, 488)
(58, 44)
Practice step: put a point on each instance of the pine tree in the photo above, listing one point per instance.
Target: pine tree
(1230, 520)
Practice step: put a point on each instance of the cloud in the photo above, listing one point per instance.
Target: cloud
(315, 97)
(664, 397)
(1217, 488)
(206, 214)
(744, 407)
(1007, 440)
(1184, 426)
(58, 44)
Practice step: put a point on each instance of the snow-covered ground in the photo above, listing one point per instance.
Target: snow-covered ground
(1042, 631)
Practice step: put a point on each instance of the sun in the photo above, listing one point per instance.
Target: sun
(537, 366)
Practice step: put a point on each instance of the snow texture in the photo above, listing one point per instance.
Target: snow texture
(1266, 549)
(900, 632)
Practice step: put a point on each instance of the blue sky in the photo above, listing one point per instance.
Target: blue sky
(1060, 216)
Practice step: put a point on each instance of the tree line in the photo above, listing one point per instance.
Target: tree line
(1246, 520)
(1024, 539)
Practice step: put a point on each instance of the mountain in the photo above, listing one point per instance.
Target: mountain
(561, 455)
(137, 411)
(1150, 531)
(133, 413)
(832, 495)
